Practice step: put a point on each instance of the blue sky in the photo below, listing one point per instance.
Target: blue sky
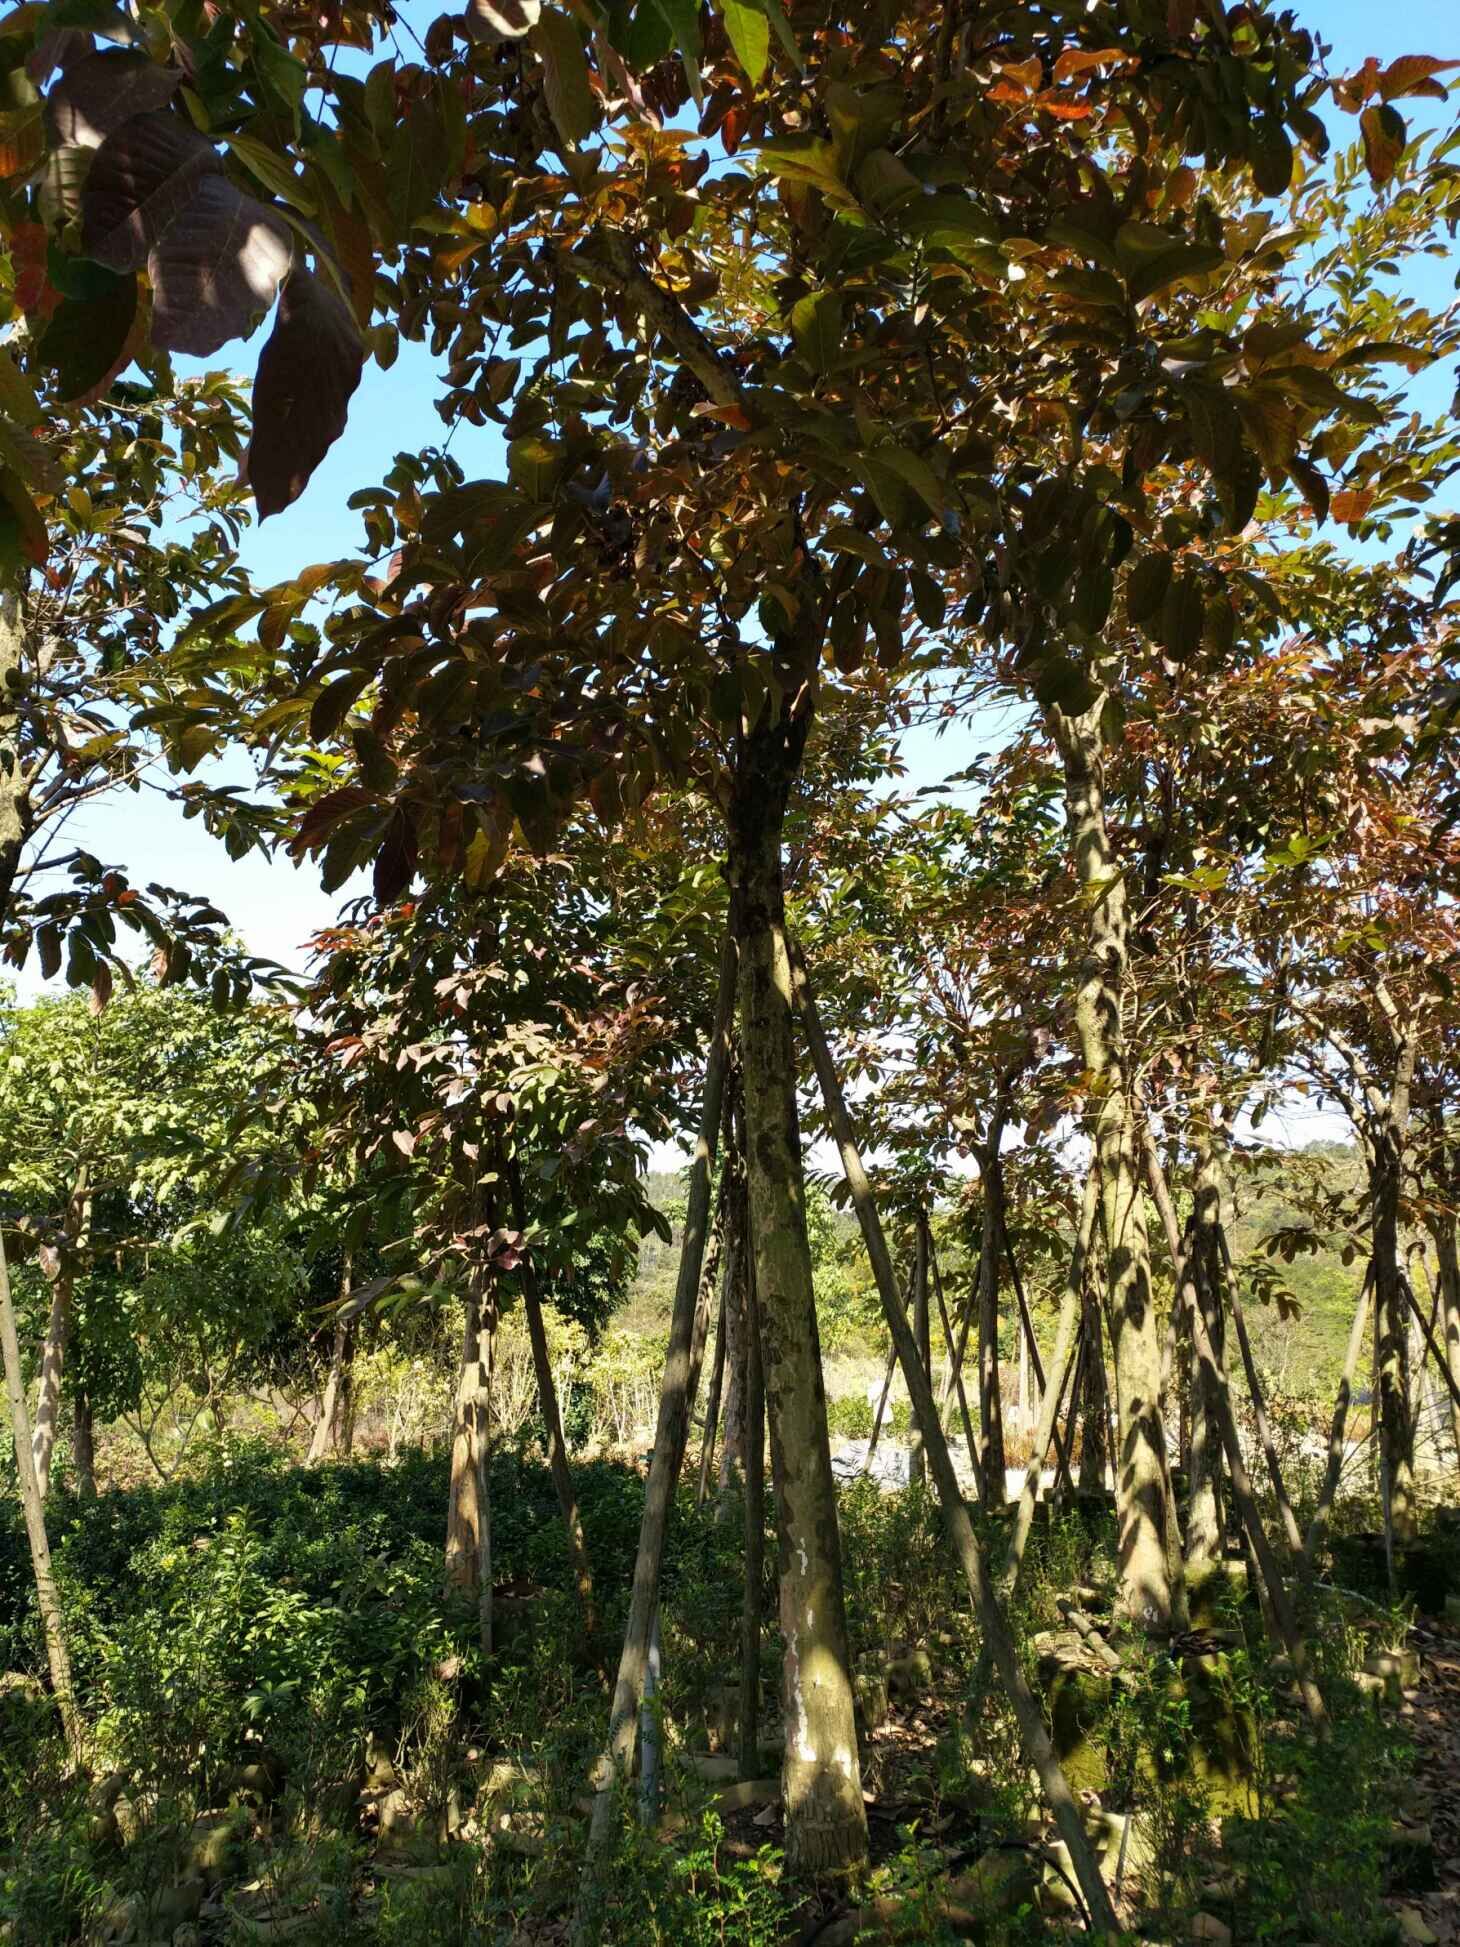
(276, 906)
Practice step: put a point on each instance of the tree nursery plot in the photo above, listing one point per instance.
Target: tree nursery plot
(830, 1310)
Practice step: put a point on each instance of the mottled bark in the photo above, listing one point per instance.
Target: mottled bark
(466, 1495)
(1447, 1256)
(83, 1442)
(992, 1461)
(1141, 1490)
(59, 1328)
(826, 1821)
(47, 1600)
(754, 1475)
(334, 1429)
(917, 1467)
(1205, 1539)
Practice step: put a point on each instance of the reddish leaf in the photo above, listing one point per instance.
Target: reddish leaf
(143, 176)
(395, 863)
(1384, 138)
(99, 92)
(1352, 503)
(217, 269)
(1408, 75)
(325, 813)
(307, 372)
(88, 338)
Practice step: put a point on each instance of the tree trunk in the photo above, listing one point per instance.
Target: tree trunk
(47, 1600)
(1259, 1405)
(998, 1640)
(1447, 1255)
(465, 1507)
(1141, 1469)
(1205, 1541)
(335, 1426)
(993, 1462)
(733, 1423)
(1094, 1406)
(665, 1461)
(917, 1469)
(749, 1752)
(717, 1385)
(826, 1820)
(83, 1443)
(59, 1327)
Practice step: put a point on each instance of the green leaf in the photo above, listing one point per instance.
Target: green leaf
(536, 464)
(86, 338)
(1145, 587)
(912, 468)
(273, 171)
(1182, 615)
(816, 327)
(1270, 152)
(566, 86)
(1063, 684)
(846, 539)
(750, 36)
(929, 602)
(334, 701)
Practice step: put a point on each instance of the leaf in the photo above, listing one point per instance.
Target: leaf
(308, 370)
(565, 77)
(749, 33)
(24, 530)
(101, 988)
(912, 468)
(1219, 628)
(94, 96)
(216, 269)
(1270, 421)
(536, 464)
(929, 602)
(1183, 613)
(142, 177)
(86, 339)
(1385, 135)
(1271, 155)
(274, 172)
(1352, 503)
(1145, 587)
(1409, 73)
(806, 159)
(395, 863)
(1063, 684)
(846, 539)
(48, 945)
(816, 327)
(501, 20)
(22, 139)
(334, 700)
(1311, 484)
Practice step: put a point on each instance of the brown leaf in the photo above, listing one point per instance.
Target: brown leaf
(102, 90)
(143, 176)
(216, 269)
(1384, 136)
(307, 372)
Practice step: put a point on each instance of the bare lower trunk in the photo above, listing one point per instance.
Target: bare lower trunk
(826, 1820)
(1447, 1254)
(1094, 1405)
(83, 1443)
(749, 1752)
(1141, 1481)
(1205, 1541)
(733, 1418)
(334, 1429)
(1000, 1643)
(992, 1460)
(917, 1469)
(465, 1507)
(665, 1461)
(1291, 1532)
(47, 1599)
(717, 1386)
(58, 1331)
